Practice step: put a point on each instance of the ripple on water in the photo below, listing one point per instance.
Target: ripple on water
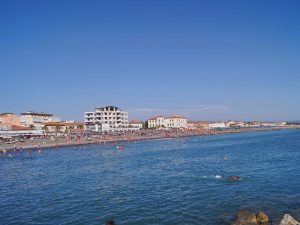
(178, 181)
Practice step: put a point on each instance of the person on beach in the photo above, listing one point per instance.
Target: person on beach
(111, 222)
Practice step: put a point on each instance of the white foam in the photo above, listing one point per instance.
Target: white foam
(212, 177)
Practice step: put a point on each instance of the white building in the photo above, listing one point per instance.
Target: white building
(158, 121)
(274, 124)
(136, 124)
(106, 118)
(176, 122)
(37, 120)
(167, 122)
(217, 125)
(230, 123)
(235, 124)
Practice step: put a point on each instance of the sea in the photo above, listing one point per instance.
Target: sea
(170, 181)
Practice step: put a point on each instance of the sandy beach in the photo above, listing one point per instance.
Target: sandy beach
(50, 141)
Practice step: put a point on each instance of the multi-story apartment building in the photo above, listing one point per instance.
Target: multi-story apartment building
(168, 122)
(106, 118)
(36, 120)
(176, 122)
(9, 118)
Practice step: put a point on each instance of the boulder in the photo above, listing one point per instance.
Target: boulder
(245, 217)
(288, 220)
(261, 217)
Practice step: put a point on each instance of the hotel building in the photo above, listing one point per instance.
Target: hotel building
(167, 122)
(105, 119)
(9, 118)
(36, 120)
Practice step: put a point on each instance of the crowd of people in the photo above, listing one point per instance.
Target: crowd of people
(79, 138)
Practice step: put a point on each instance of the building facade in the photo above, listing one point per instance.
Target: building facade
(106, 118)
(217, 125)
(197, 124)
(63, 127)
(13, 127)
(10, 119)
(176, 122)
(136, 124)
(155, 122)
(36, 120)
(167, 122)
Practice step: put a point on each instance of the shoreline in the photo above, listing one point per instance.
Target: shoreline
(239, 217)
(67, 143)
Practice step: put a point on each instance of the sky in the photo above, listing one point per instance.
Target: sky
(206, 60)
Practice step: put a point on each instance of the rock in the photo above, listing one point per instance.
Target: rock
(288, 220)
(261, 217)
(245, 217)
(233, 178)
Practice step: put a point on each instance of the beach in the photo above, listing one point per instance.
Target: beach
(55, 141)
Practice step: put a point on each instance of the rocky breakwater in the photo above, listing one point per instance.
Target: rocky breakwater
(288, 220)
(246, 217)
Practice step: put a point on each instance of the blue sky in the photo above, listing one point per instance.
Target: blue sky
(207, 60)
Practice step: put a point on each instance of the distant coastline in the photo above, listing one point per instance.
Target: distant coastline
(64, 142)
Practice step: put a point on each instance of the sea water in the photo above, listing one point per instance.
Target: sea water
(177, 181)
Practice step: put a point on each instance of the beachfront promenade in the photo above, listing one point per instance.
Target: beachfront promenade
(50, 141)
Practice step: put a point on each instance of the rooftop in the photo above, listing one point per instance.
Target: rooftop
(155, 117)
(64, 124)
(167, 117)
(17, 127)
(110, 107)
(135, 122)
(36, 114)
(6, 113)
(175, 117)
